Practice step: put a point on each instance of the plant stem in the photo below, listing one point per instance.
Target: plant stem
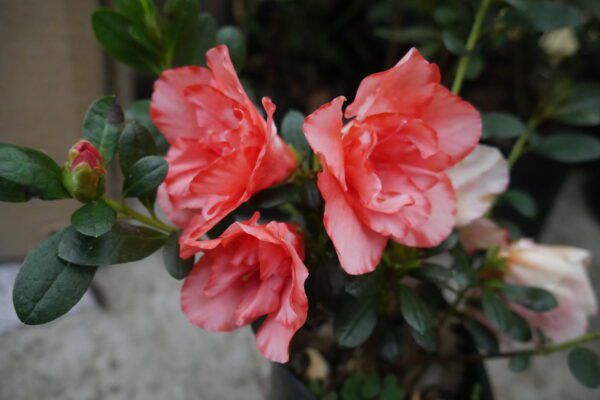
(130, 213)
(463, 62)
(519, 145)
(539, 351)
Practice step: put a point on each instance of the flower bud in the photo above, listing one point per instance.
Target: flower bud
(83, 174)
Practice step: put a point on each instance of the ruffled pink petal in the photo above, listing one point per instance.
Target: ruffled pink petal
(278, 162)
(407, 88)
(323, 131)
(358, 248)
(219, 62)
(441, 221)
(273, 339)
(457, 123)
(260, 298)
(477, 181)
(214, 314)
(214, 111)
(172, 114)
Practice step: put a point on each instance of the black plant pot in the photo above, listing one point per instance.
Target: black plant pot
(286, 386)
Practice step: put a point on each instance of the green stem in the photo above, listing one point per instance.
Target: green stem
(470, 46)
(130, 213)
(519, 145)
(539, 351)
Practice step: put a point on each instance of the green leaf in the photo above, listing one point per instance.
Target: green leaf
(102, 126)
(551, 15)
(391, 389)
(114, 32)
(501, 125)
(123, 243)
(203, 38)
(144, 176)
(390, 343)
(582, 107)
(276, 196)
(235, 41)
(417, 314)
(570, 147)
(291, 131)
(94, 219)
(533, 298)
(584, 364)
(181, 17)
(433, 272)
(519, 328)
(496, 311)
(136, 142)
(371, 387)
(355, 320)
(13, 192)
(453, 43)
(32, 170)
(519, 363)
(521, 201)
(139, 111)
(484, 338)
(428, 340)
(177, 267)
(474, 67)
(46, 286)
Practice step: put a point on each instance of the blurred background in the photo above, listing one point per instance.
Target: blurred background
(128, 338)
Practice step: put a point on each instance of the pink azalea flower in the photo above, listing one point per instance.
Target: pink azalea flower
(385, 172)
(248, 272)
(482, 234)
(477, 181)
(222, 150)
(561, 270)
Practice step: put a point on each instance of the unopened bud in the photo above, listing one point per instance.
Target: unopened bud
(83, 173)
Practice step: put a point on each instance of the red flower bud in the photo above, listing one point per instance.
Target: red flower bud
(83, 173)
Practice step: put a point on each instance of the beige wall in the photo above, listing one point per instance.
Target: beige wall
(51, 69)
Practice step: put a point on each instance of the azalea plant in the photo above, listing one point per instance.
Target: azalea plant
(360, 242)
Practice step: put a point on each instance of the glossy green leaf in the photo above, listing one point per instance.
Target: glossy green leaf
(94, 219)
(355, 320)
(371, 387)
(203, 38)
(415, 311)
(453, 43)
(102, 126)
(391, 389)
(11, 192)
(144, 176)
(291, 131)
(521, 201)
(46, 286)
(519, 328)
(496, 311)
(181, 17)
(177, 267)
(32, 170)
(114, 32)
(570, 147)
(123, 243)
(533, 298)
(139, 111)
(584, 364)
(582, 106)
(136, 142)
(427, 340)
(236, 42)
(519, 363)
(433, 272)
(501, 125)
(551, 15)
(484, 338)
(390, 343)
